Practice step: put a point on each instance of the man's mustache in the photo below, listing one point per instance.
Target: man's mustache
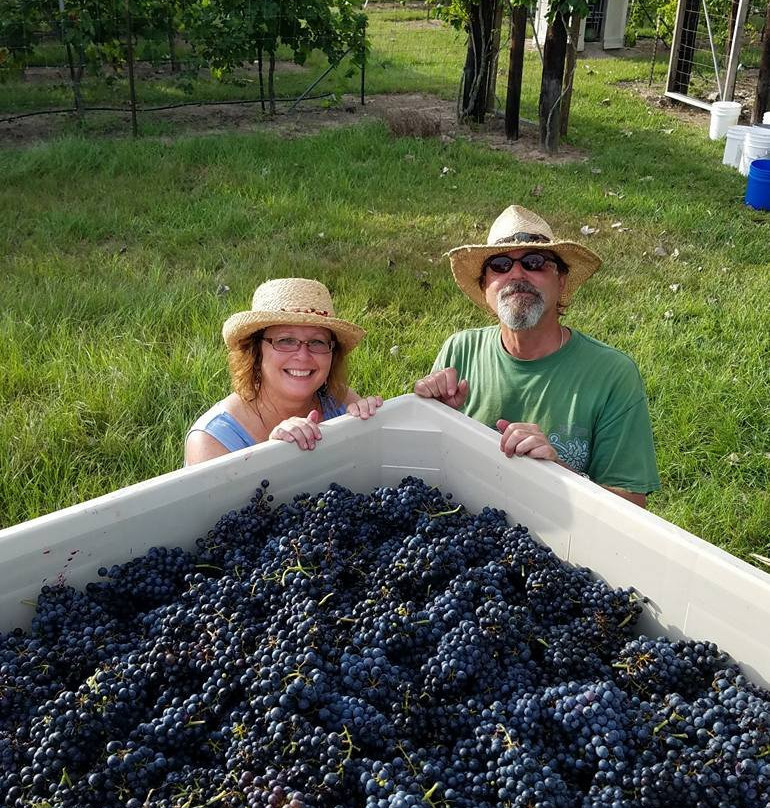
(519, 286)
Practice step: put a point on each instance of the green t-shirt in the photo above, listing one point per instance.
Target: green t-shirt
(587, 397)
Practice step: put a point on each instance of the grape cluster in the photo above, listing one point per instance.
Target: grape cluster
(381, 650)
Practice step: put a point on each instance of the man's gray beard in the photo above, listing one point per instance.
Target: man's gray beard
(519, 313)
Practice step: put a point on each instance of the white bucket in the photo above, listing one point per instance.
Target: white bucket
(734, 145)
(766, 117)
(724, 114)
(756, 145)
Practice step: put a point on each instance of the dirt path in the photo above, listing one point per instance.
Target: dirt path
(308, 118)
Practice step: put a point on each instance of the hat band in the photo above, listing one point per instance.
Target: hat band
(524, 238)
(299, 310)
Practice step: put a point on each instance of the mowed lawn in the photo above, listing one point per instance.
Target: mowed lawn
(120, 260)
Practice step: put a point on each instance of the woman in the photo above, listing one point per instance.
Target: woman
(287, 367)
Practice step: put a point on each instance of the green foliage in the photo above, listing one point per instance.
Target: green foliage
(94, 29)
(19, 19)
(455, 12)
(231, 32)
(644, 14)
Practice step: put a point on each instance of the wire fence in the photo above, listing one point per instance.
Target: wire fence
(713, 42)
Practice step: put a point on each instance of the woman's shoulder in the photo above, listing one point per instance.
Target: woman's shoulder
(217, 431)
(227, 406)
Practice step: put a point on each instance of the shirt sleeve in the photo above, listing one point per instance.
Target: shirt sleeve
(444, 357)
(623, 453)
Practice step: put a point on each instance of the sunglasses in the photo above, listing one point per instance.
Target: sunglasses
(291, 344)
(532, 262)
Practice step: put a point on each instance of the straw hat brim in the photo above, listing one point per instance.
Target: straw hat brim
(466, 262)
(245, 323)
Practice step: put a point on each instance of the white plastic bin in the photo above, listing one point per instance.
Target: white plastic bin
(694, 588)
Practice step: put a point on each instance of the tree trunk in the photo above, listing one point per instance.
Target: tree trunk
(680, 82)
(554, 55)
(492, 72)
(569, 70)
(515, 71)
(261, 78)
(130, 65)
(171, 34)
(270, 81)
(477, 60)
(762, 96)
(76, 76)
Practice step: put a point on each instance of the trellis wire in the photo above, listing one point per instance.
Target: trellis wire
(126, 34)
(696, 33)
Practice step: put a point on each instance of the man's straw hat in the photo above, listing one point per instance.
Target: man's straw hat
(291, 301)
(516, 228)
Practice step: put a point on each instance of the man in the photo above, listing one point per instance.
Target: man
(553, 393)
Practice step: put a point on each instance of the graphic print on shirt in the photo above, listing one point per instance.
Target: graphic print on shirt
(575, 452)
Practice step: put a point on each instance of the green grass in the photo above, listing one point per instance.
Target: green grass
(111, 254)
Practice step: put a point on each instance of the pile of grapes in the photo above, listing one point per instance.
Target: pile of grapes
(379, 650)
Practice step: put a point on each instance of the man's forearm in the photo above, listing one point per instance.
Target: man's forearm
(631, 496)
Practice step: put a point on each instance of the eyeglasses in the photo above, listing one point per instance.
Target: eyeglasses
(532, 262)
(291, 344)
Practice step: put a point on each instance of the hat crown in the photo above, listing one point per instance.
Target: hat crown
(516, 219)
(296, 295)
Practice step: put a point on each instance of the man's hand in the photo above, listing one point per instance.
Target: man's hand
(305, 432)
(365, 407)
(443, 386)
(525, 439)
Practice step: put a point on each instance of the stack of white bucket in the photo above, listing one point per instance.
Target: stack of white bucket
(743, 144)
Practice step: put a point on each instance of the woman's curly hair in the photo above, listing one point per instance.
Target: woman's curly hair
(245, 362)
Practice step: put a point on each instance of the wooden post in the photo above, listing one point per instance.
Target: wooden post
(515, 71)
(549, 109)
(735, 43)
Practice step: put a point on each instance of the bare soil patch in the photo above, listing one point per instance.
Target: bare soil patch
(654, 96)
(307, 119)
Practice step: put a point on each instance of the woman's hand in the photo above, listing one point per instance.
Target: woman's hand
(305, 432)
(365, 407)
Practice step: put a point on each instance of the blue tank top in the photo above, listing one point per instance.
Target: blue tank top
(233, 435)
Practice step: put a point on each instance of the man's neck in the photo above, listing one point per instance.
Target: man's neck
(534, 343)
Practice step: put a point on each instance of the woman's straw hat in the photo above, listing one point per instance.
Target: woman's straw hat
(290, 301)
(516, 228)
